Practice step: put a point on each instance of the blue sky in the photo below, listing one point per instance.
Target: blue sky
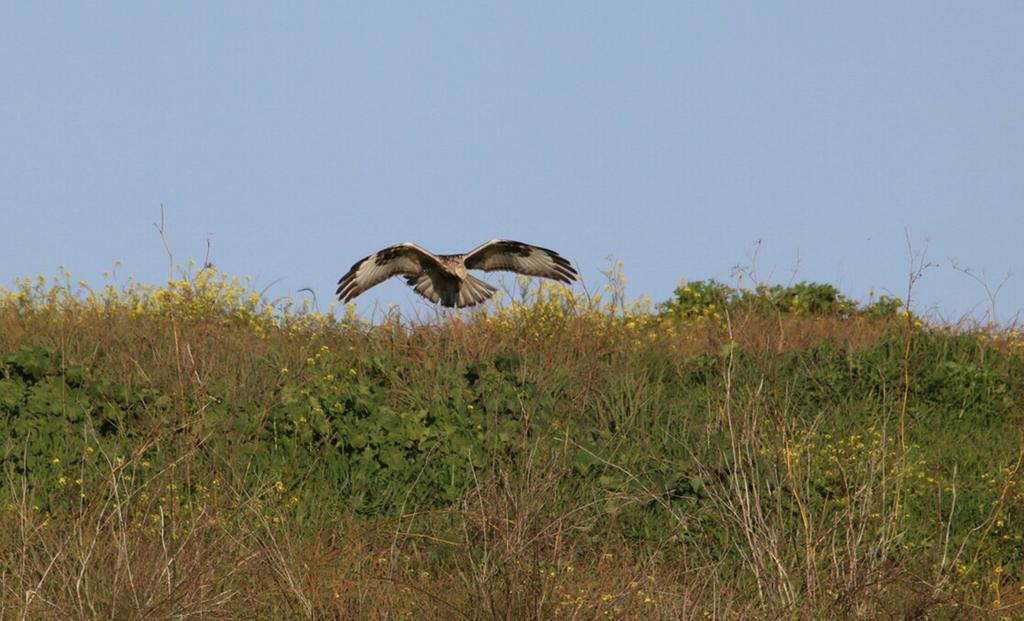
(680, 138)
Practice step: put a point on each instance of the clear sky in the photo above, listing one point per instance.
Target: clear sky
(299, 137)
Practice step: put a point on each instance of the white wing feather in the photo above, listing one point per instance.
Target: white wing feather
(407, 258)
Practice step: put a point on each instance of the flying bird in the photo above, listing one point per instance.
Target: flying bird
(444, 278)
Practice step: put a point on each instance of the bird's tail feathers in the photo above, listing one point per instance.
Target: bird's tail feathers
(474, 291)
(471, 292)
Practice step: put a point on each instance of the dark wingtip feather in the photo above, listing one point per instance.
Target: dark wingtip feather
(566, 272)
(343, 284)
(346, 282)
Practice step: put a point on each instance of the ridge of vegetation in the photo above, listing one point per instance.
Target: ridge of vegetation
(195, 450)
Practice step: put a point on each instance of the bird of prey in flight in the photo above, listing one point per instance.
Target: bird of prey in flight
(444, 278)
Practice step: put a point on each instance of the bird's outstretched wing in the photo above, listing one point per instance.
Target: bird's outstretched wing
(513, 256)
(407, 258)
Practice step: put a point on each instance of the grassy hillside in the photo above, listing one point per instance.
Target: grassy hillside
(193, 451)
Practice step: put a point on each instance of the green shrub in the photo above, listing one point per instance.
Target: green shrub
(710, 298)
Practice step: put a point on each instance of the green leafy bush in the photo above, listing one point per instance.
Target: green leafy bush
(710, 298)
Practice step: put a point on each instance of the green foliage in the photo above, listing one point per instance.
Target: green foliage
(340, 430)
(807, 298)
(884, 306)
(701, 298)
(710, 298)
(49, 414)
